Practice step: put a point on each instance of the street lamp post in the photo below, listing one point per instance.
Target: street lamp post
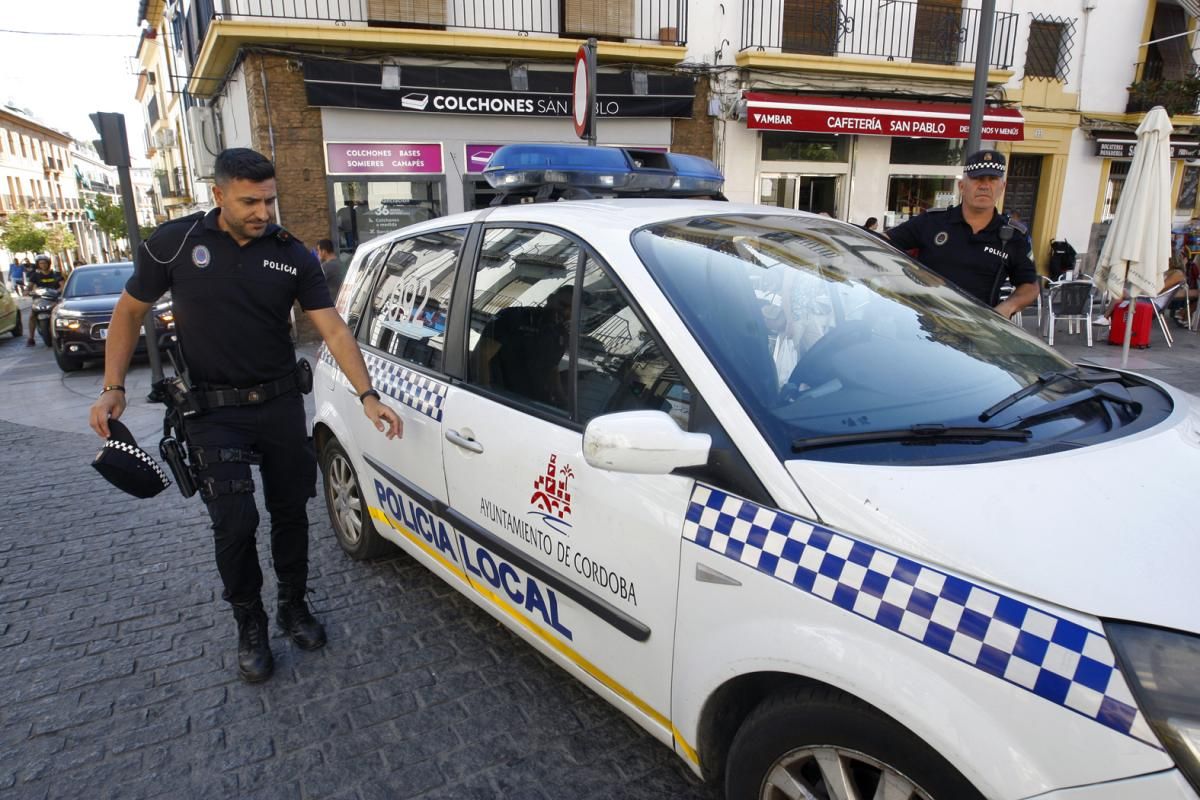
(983, 59)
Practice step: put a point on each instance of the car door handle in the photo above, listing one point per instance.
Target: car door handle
(465, 442)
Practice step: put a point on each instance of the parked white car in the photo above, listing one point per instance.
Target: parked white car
(810, 516)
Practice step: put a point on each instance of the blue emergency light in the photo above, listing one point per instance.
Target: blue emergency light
(577, 172)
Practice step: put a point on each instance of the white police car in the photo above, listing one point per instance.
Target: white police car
(811, 517)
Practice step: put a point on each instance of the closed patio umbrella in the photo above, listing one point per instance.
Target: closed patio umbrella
(1138, 248)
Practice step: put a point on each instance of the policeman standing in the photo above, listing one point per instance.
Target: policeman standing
(971, 244)
(233, 276)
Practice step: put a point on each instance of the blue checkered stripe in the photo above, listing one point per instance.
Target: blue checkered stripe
(1054, 658)
(419, 392)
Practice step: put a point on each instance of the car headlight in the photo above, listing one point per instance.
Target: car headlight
(1163, 670)
(166, 318)
(67, 323)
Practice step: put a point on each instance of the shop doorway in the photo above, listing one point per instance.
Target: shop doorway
(1021, 192)
(815, 193)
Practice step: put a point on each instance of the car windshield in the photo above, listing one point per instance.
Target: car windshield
(97, 281)
(822, 330)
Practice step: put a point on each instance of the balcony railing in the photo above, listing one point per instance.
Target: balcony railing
(1176, 96)
(659, 21)
(902, 29)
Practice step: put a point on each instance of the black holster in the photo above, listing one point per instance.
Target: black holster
(172, 452)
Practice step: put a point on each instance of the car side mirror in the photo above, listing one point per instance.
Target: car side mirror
(643, 442)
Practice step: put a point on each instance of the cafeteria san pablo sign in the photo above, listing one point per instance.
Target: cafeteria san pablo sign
(1125, 148)
(427, 89)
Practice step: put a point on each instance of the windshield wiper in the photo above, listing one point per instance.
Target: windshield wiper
(1082, 396)
(1044, 380)
(925, 433)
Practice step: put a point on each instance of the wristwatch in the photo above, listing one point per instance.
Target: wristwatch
(362, 398)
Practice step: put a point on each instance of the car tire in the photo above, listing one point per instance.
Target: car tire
(65, 362)
(19, 328)
(819, 736)
(348, 511)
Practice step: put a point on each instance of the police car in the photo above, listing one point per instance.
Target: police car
(813, 518)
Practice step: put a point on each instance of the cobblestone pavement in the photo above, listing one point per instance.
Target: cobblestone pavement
(120, 676)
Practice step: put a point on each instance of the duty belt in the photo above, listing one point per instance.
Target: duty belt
(216, 398)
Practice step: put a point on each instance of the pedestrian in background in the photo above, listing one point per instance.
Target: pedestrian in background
(330, 266)
(16, 276)
(234, 276)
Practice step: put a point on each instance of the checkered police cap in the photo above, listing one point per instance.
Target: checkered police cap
(127, 466)
(985, 162)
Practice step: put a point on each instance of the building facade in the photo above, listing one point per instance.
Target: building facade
(382, 112)
(37, 175)
(378, 112)
(861, 109)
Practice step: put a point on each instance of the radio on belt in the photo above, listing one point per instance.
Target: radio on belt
(553, 172)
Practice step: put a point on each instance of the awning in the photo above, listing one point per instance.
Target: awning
(783, 112)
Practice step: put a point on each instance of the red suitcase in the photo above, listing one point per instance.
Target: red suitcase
(1143, 318)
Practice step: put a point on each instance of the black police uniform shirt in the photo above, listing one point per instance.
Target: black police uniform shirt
(946, 244)
(231, 302)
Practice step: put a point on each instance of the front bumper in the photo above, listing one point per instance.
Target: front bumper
(84, 346)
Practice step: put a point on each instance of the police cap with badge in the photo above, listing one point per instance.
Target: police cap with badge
(127, 466)
(985, 162)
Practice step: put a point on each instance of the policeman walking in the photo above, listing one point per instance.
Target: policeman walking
(971, 244)
(233, 276)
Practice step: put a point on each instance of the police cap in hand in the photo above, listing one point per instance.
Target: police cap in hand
(985, 162)
(127, 466)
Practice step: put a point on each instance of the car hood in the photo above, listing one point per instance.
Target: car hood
(91, 305)
(1108, 529)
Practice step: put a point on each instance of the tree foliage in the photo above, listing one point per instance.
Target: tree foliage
(59, 239)
(21, 234)
(110, 217)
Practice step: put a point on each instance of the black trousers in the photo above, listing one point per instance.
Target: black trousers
(277, 430)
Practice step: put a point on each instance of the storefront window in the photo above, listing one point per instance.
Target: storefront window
(788, 146)
(909, 195)
(948, 152)
(815, 193)
(1187, 190)
(1116, 182)
(366, 209)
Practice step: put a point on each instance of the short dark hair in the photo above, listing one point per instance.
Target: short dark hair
(242, 163)
(325, 244)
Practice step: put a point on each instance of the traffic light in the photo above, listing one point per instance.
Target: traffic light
(113, 144)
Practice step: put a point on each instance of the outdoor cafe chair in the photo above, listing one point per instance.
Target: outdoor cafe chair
(1070, 301)
(1160, 303)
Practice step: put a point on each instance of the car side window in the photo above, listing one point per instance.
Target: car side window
(519, 338)
(407, 313)
(620, 365)
(362, 279)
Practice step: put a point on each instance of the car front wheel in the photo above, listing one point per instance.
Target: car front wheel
(348, 511)
(822, 744)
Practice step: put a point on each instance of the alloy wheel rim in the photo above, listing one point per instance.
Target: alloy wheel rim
(345, 500)
(836, 773)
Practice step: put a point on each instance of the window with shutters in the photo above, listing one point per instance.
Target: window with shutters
(1049, 50)
(937, 31)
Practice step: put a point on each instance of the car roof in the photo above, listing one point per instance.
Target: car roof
(110, 264)
(610, 215)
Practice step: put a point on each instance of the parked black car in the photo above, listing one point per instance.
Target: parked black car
(81, 319)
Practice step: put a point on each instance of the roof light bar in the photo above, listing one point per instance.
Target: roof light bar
(601, 170)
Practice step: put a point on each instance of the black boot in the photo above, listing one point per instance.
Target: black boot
(255, 662)
(294, 618)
